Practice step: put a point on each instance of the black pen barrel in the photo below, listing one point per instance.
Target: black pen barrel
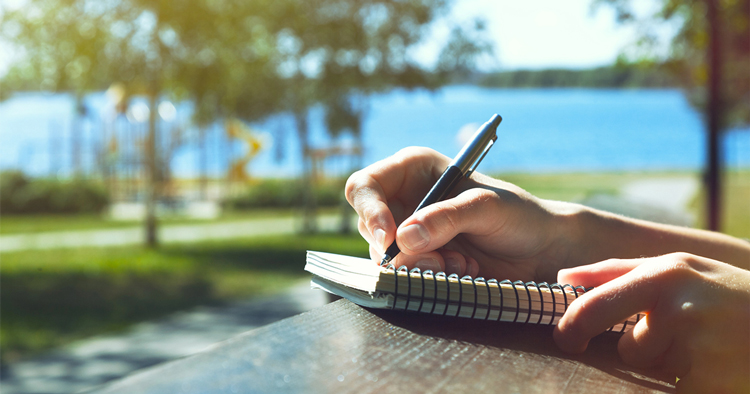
(445, 184)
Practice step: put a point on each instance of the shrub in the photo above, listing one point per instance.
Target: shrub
(286, 193)
(22, 195)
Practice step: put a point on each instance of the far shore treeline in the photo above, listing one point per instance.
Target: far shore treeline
(617, 76)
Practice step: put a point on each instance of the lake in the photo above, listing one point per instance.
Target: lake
(544, 130)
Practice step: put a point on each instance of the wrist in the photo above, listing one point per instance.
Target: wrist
(565, 239)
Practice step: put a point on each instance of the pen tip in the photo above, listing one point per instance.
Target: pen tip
(386, 259)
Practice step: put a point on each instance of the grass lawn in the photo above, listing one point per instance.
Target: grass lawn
(42, 223)
(50, 298)
(735, 218)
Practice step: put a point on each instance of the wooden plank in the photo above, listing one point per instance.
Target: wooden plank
(344, 348)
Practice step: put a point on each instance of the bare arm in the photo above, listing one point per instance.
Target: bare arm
(598, 235)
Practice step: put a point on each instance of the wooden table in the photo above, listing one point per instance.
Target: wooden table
(344, 348)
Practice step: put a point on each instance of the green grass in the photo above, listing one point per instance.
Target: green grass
(735, 218)
(50, 298)
(15, 224)
(569, 187)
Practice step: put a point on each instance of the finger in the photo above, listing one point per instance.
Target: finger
(472, 267)
(375, 254)
(435, 225)
(593, 275)
(646, 344)
(369, 190)
(425, 261)
(677, 360)
(603, 307)
(365, 233)
(367, 197)
(455, 263)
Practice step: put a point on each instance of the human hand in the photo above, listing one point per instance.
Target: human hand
(487, 227)
(697, 323)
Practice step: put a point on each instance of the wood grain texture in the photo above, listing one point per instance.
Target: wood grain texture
(344, 348)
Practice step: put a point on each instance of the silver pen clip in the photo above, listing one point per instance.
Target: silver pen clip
(476, 164)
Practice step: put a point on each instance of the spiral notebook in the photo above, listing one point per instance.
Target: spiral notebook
(370, 285)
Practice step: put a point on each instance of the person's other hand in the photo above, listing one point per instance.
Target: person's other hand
(697, 323)
(487, 227)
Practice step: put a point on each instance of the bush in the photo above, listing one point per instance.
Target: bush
(22, 195)
(286, 193)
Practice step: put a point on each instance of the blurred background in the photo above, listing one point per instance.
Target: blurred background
(161, 156)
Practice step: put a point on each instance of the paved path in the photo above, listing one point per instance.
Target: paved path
(167, 234)
(663, 200)
(98, 360)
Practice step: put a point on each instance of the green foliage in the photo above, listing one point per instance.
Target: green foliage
(21, 195)
(50, 298)
(687, 59)
(247, 59)
(617, 76)
(286, 193)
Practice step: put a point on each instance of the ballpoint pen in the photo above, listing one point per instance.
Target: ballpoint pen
(461, 167)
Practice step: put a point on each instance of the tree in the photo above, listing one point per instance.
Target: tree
(336, 52)
(231, 58)
(710, 54)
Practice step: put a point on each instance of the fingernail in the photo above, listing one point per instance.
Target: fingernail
(452, 266)
(428, 264)
(379, 239)
(414, 237)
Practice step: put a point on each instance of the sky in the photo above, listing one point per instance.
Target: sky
(534, 34)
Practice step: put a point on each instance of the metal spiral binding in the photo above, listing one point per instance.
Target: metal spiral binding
(408, 289)
(528, 297)
(554, 301)
(518, 302)
(460, 292)
(489, 297)
(448, 284)
(541, 302)
(494, 282)
(467, 277)
(421, 298)
(434, 289)
(576, 290)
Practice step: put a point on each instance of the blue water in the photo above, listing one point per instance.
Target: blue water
(542, 131)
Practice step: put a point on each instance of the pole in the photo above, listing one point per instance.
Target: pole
(713, 118)
(152, 176)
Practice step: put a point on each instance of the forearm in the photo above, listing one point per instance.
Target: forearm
(597, 235)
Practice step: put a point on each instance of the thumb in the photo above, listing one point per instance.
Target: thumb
(433, 226)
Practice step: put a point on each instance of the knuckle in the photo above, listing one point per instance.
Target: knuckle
(680, 264)
(414, 151)
(451, 217)
(575, 319)
(369, 215)
(353, 185)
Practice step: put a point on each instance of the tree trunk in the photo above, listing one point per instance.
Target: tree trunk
(76, 134)
(203, 163)
(345, 226)
(309, 205)
(152, 178)
(713, 119)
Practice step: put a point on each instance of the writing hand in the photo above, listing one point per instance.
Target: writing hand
(488, 227)
(697, 324)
